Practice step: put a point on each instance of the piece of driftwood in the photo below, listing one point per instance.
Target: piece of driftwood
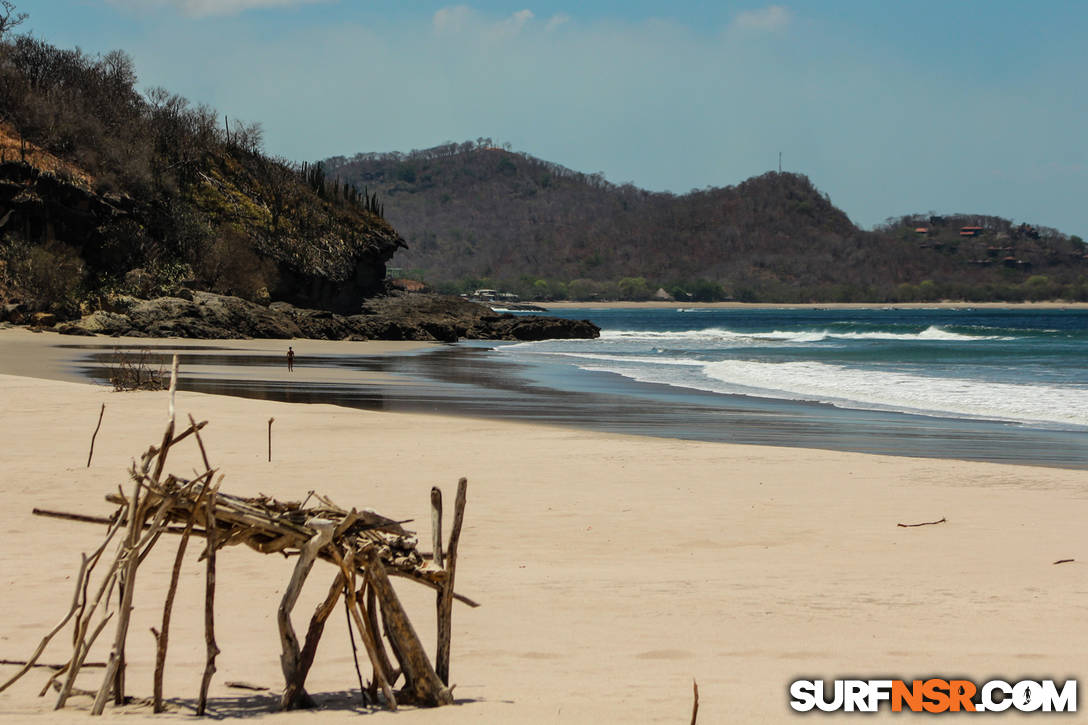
(94, 435)
(924, 523)
(162, 637)
(346, 565)
(420, 680)
(270, 422)
(211, 648)
(1059, 561)
(289, 658)
(695, 705)
(436, 526)
(296, 682)
(364, 694)
(445, 596)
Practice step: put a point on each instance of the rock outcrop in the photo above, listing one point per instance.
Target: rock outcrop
(420, 317)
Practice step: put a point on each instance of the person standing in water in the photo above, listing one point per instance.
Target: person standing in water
(290, 359)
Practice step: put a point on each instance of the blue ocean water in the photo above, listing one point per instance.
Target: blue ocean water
(1027, 367)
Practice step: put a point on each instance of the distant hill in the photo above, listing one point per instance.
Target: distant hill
(476, 215)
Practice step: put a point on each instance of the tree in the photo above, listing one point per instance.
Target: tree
(9, 18)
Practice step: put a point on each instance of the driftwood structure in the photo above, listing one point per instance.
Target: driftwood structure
(365, 549)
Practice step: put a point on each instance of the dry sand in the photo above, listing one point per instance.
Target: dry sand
(612, 570)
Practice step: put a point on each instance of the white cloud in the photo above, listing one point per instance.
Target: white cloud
(773, 17)
(462, 18)
(453, 19)
(555, 21)
(206, 8)
(513, 24)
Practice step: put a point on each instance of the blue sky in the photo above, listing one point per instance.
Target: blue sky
(889, 107)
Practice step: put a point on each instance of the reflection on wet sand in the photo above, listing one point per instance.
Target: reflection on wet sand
(474, 381)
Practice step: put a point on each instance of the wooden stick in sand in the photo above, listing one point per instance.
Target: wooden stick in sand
(290, 656)
(436, 526)
(270, 422)
(291, 699)
(211, 649)
(924, 523)
(95, 434)
(445, 596)
(421, 682)
(162, 637)
(347, 566)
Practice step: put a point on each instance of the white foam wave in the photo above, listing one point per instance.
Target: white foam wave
(718, 334)
(904, 391)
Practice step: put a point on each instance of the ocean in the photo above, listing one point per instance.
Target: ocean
(1001, 385)
(956, 380)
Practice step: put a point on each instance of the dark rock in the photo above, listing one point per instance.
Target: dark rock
(429, 318)
(43, 319)
(15, 313)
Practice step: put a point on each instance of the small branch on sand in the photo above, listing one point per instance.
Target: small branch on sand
(95, 434)
(924, 523)
(1064, 561)
(270, 422)
(695, 705)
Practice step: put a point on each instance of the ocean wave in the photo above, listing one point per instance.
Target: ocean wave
(903, 391)
(933, 333)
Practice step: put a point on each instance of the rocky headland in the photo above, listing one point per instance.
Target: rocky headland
(206, 315)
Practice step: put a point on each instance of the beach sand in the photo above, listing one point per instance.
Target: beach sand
(612, 570)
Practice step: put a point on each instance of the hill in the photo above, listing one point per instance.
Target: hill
(105, 190)
(476, 215)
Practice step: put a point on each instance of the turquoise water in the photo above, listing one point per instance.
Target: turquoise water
(1023, 367)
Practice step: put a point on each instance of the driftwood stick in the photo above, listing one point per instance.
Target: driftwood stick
(211, 648)
(445, 597)
(270, 422)
(199, 442)
(290, 656)
(296, 686)
(420, 679)
(179, 437)
(354, 649)
(49, 665)
(78, 663)
(695, 705)
(130, 555)
(368, 642)
(924, 523)
(163, 636)
(370, 619)
(80, 644)
(296, 664)
(72, 609)
(1059, 561)
(94, 435)
(436, 526)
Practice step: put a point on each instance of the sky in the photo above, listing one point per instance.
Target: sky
(891, 108)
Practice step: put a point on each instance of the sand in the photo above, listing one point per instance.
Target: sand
(612, 570)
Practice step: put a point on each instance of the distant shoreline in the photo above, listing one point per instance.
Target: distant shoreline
(944, 305)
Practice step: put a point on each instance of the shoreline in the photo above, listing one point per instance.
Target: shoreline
(944, 305)
(475, 384)
(775, 563)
